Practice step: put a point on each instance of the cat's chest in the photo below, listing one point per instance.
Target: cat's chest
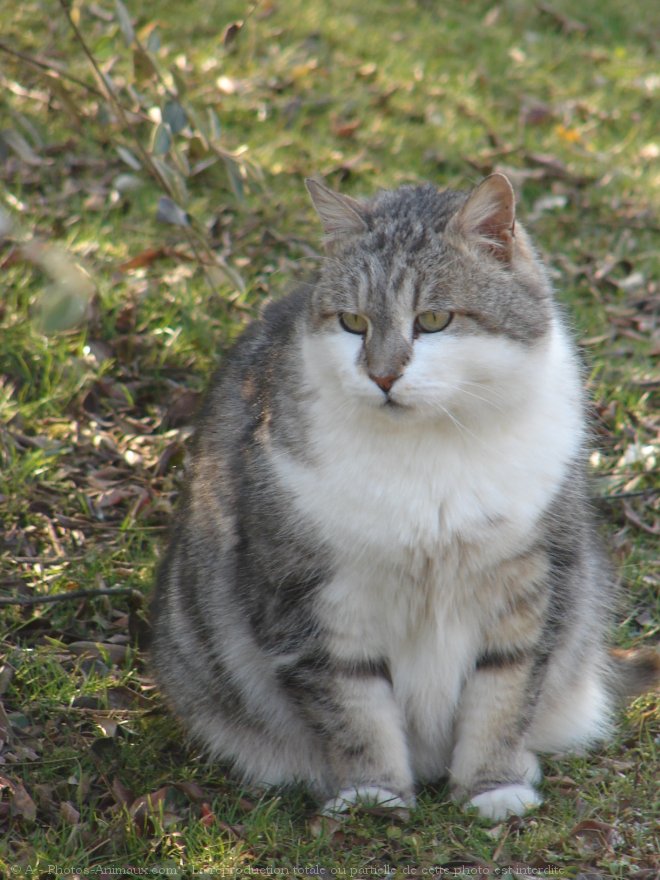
(408, 497)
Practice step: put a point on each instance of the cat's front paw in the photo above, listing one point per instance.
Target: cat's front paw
(506, 800)
(367, 796)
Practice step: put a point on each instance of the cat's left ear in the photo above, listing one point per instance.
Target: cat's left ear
(340, 215)
(489, 215)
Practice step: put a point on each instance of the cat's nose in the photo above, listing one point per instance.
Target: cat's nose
(384, 382)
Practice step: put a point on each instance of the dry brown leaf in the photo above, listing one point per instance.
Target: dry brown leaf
(346, 129)
(324, 826)
(144, 258)
(122, 697)
(567, 25)
(182, 409)
(121, 793)
(192, 790)
(593, 836)
(148, 805)
(116, 653)
(206, 815)
(231, 32)
(109, 726)
(69, 813)
(22, 804)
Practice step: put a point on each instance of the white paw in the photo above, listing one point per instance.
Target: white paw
(364, 795)
(498, 803)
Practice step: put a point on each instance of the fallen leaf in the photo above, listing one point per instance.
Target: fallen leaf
(122, 697)
(231, 32)
(324, 826)
(567, 25)
(109, 726)
(121, 793)
(182, 408)
(117, 653)
(22, 804)
(536, 113)
(148, 805)
(593, 836)
(492, 16)
(192, 790)
(346, 129)
(172, 456)
(69, 813)
(206, 815)
(144, 258)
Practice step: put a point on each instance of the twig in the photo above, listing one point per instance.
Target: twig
(53, 71)
(72, 596)
(110, 95)
(69, 759)
(195, 239)
(642, 493)
(54, 560)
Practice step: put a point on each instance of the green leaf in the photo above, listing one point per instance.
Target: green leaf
(125, 23)
(169, 212)
(153, 41)
(174, 181)
(175, 116)
(20, 146)
(235, 178)
(197, 127)
(215, 129)
(161, 139)
(60, 308)
(179, 82)
(66, 100)
(180, 159)
(129, 158)
(143, 65)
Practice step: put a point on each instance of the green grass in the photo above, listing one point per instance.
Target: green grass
(93, 417)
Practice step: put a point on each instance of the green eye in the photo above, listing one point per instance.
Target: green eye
(432, 322)
(353, 323)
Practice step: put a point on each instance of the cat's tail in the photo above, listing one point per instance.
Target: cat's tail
(634, 671)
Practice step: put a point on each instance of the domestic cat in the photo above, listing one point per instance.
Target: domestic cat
(384, 570)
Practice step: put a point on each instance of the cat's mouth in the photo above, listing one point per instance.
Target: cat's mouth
(391, 404)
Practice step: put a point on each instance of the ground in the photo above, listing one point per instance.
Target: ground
(153, 157)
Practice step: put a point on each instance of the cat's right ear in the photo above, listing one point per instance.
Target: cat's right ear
(489, 216)
(340, 215)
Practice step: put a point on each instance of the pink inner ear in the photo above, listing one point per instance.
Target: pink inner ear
(490, 215)
(338, 213)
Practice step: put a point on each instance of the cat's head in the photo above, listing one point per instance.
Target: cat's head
(429, 302)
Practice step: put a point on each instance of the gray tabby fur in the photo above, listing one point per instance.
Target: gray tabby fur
(369, 587)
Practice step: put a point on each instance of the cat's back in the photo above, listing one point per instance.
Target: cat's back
(248, 384)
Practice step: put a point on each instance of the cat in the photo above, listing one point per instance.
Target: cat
(384, 569)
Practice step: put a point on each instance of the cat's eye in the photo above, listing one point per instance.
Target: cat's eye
(433, 321)
(353, 323)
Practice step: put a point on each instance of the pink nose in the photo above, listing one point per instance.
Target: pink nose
(384, 382)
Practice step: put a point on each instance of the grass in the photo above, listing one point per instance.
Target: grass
(94, 412)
